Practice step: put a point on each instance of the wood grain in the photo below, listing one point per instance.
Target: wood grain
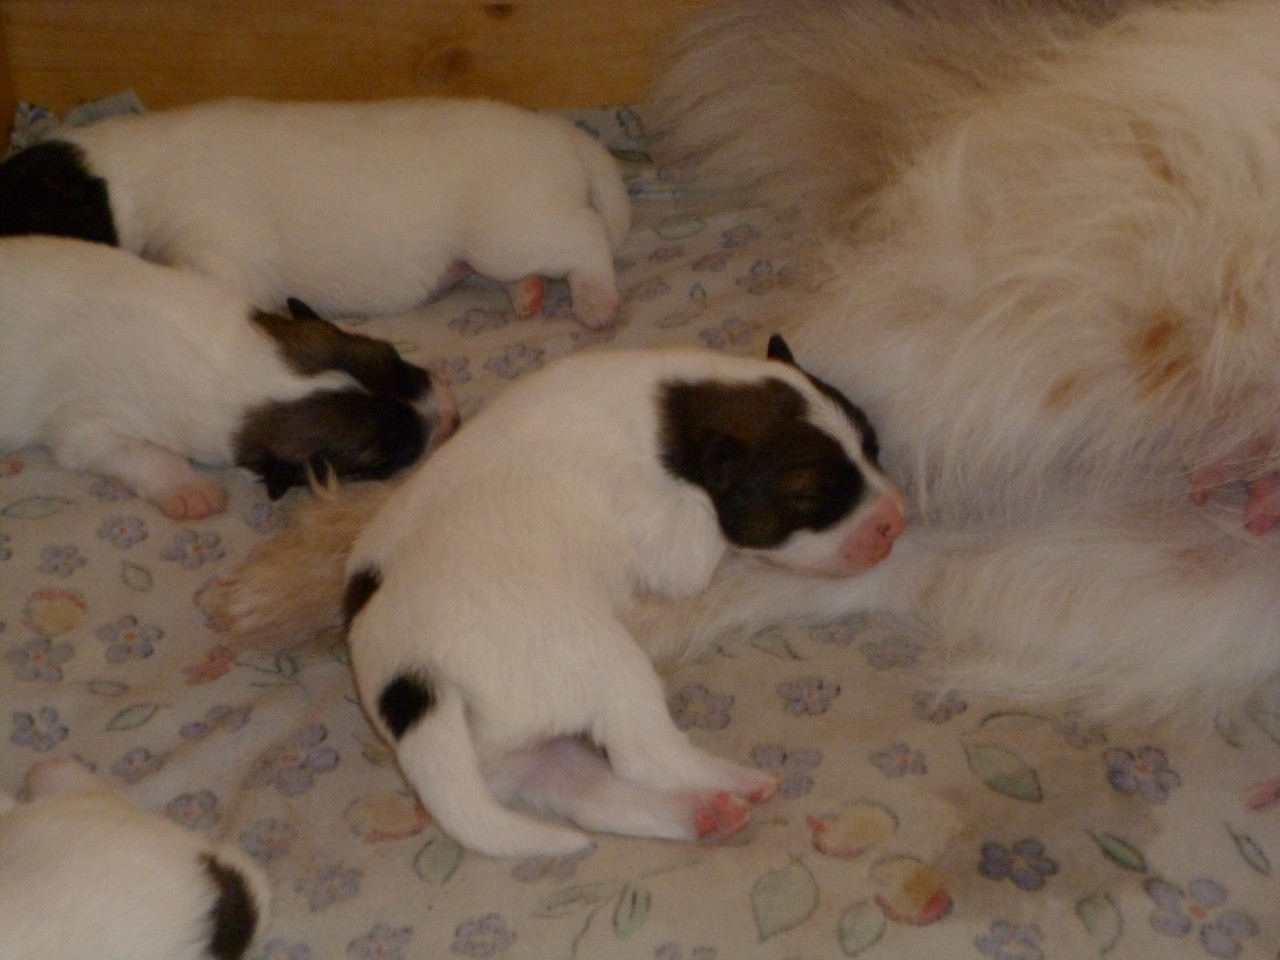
(553, 53)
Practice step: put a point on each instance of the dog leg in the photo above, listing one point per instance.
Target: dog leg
(526, 296)
(438, 757)
(568, 778)
(62, 775)
(151, 471)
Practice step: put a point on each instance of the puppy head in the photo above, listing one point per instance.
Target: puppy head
(789, 464)
(393, 414)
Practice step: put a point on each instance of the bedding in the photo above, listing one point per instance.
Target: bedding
(912, 820)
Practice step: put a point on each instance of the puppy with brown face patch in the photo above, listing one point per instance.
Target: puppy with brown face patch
(85, 873)
(485, 598)
(131, 369)
(356, 208)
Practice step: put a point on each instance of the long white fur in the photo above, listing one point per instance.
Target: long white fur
(132, 369)
(86, 874)
(1051, 275)
(506, 563)
(360, 208)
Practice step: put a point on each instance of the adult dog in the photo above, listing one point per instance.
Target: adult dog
(1050, 270)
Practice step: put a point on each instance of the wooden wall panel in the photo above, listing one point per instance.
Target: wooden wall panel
(556, 53)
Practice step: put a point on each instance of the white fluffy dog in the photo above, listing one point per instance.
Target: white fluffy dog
(354, 208)
(85, 874)
(484, 599)
(1052, 270)
(132, 369)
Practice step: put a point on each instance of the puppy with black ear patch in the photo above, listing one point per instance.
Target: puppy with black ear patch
(356, 208)
(132, 369)
(484, 599)
(85, 874)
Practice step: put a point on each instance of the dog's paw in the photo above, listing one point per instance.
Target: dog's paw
(527, 295)
(595, 303)
(194, 499)
(719, 815)
(59, 775)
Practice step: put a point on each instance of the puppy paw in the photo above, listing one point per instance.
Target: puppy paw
(719, 815)
(60, 775)
(596, 305)
(526, 296)
(194, 499)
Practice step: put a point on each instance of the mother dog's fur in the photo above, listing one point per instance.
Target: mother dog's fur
(1050, 250)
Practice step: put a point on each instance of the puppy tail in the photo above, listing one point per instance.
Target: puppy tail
(438, 756)
(290, 588)
(607, 190)
(816, 100)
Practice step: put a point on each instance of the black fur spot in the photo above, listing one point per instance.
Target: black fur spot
(362, 585)
(48, 188)
(357, 435)
(311, 345)
(233, 919)
(768, 470)
(404, 701)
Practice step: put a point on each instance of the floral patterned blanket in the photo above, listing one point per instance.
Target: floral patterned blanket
(911, 823)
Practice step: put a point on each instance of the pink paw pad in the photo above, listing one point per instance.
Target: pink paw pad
(720, 815)
(526, 296)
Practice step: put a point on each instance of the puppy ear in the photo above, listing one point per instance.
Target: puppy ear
(301, 311)
(778, 350)
(724, 462)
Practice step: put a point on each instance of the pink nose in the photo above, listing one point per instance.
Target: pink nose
(872, 541)
(887, 519)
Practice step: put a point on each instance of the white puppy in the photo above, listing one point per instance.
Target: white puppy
(354, 208)
(85, 874)
(1053, 273)
(485, 598)
(132, 369)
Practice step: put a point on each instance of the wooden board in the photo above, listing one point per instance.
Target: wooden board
(553, 53)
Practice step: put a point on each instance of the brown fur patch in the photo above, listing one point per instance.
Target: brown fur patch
(1062, 391)
(1145, 136)
(1160, 355)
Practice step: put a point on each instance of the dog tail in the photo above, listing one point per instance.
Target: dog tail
(290, 588)
(438, 756)
(607, 190)
(815, 100)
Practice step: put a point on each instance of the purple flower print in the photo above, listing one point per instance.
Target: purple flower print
(669, 252)
(792, 767)
(483, 937)
(476, 321)
(61, 561)
(192, 549)
(109, 490)
(127, 639)
(517, 359)
(281, 949)
(808, 696)
(1009, 941)
(1178, 913)
(453, 371)
(195, 811)
(739, 236)
(732, 332)
(696, 706)
(938, 707)
(123, 532)
(331, 883)
(138, 764)
(762, 278)
(885, 653)
(40, 659)
(712, 262)
(1144, 772)
(267, 839)
(221, 717)
(383, 942)
(1024, 863)
(41, 731)
(291, 766)
(261, 518)
(648, 290)
(898, 760)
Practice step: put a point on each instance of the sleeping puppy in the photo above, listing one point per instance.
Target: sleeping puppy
(132, 369)
(1053, 272)
(355, 208)
(484, 600)
(86, 874)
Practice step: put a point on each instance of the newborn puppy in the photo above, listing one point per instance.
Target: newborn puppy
(356, 208)
(86, 874)
(131, 369)
(484, 598)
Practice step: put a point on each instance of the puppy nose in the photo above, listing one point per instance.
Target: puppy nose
(888, 519)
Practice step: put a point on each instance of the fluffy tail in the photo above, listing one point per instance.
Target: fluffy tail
(439, 758)
(753, 87)
(608, 191)
(290, 589)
